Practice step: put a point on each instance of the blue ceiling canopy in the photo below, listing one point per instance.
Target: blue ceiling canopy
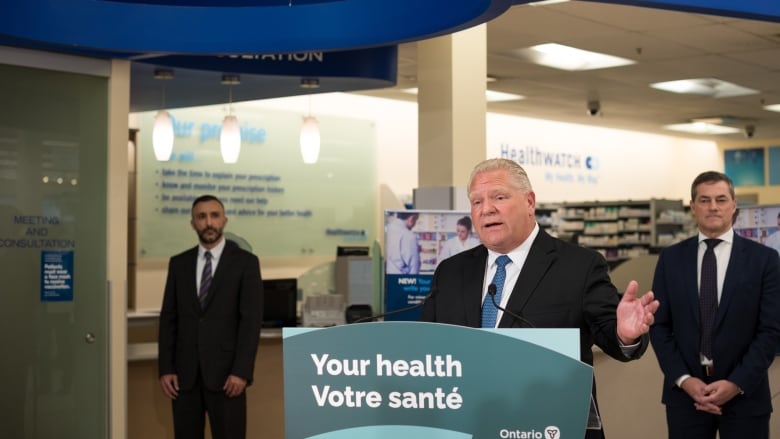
(142, 27)
(197, 79)
(354, 41)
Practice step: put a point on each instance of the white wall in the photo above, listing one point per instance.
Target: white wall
(631, 165)
(625, 164)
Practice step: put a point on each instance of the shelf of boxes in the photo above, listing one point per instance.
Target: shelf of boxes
(621, 229)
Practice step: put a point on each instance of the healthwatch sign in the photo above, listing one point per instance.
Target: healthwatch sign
(557, 166)
(535, 156)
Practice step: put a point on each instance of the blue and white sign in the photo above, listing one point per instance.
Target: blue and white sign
(57, 276)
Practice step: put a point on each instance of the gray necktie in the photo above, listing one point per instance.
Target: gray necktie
(205, 280)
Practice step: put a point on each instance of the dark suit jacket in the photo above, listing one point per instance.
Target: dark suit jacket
(221, 339)
(560, 286)
(747, 326)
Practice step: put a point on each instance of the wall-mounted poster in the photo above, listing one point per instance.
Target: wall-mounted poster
(415, 242)
(761, 224)
(745, 167)
(774, 165)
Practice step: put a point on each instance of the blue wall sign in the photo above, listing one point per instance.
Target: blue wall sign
(56, 276)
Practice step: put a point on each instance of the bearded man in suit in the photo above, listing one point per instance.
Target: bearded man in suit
(210, 328)
(546, 282)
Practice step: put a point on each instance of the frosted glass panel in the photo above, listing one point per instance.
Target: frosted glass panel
(275, 203)
(52, 254)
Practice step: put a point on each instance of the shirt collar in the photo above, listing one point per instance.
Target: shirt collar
(726, 237)
(216, 251)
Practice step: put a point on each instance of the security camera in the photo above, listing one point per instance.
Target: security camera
(750, 130)
(594, 108)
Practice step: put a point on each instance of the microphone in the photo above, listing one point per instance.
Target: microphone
(492, 290)
(395, 311)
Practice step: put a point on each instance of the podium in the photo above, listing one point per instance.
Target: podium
(427, 380)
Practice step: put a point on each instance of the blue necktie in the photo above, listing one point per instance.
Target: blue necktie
(205, 280)
(489, 310)
(708, 296)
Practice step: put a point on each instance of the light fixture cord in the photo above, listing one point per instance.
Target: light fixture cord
(230, 99)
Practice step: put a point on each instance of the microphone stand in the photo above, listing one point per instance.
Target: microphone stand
(492, 293)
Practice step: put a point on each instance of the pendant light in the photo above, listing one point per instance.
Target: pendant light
(162, 130)
(310, 140)
(310, 130)
(230, 135)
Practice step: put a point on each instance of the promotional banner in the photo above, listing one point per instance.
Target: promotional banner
(415, 242)
(428, 380)
(760, 223)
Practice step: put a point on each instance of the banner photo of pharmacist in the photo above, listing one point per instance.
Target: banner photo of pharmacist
(760, 223)
(415, 242)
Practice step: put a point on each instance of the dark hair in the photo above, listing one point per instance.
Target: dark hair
(465, 222)
(205, 198)
(405, 215)
(711, 177)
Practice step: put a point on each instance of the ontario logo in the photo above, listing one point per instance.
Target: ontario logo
(551, 432)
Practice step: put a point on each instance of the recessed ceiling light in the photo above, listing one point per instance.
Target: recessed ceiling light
(773, 107)
(711, 87)
(490, 95)
(546, 2)
(701, 128)
(499, 96)
(569, 58)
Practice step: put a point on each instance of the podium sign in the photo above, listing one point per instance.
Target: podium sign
(428, 380)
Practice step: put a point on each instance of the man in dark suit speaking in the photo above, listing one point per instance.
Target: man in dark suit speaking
(540, 280)
(718, 327)
(209, 329)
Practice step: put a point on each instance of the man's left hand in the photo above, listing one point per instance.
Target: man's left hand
(635, 314)
(720, 392)
(234, 386)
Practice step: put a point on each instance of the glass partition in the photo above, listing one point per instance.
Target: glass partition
(53, 134)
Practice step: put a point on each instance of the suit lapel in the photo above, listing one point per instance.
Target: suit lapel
(473, 276)
(689, 266)
(190, 277)
(541, 256)
(735, 269)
